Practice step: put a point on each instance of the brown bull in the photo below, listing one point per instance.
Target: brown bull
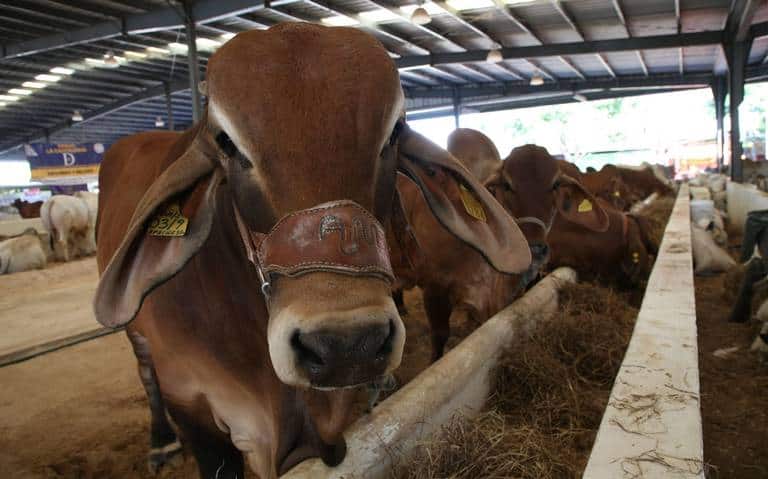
(27, 209)
(247, 256)
(608, 185)
(455, 281)
(623, 253)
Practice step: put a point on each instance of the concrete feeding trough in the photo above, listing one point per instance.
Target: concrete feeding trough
(460, 382)
(652, 425)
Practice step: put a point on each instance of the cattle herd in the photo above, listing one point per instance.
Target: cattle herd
(257, 260)
(69, 223)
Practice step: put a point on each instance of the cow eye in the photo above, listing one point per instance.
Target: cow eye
(226, 145)
(556, 185)
(228, 148)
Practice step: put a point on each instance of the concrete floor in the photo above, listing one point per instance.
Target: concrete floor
(45, 306)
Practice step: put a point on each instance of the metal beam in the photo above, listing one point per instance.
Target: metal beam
(575, 48)
(169, 106)
(194, 65)
(740, 18)
(517, 88)
(719, 90)
(168, 18)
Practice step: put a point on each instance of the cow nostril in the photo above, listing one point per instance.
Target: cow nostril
(305, 353)
(386, 347)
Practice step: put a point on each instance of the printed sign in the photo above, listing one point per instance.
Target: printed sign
(63, 160)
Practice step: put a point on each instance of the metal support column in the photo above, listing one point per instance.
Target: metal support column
(719, 90)
(456, 107)
(169, 106)
(194, 66)
(736, 53)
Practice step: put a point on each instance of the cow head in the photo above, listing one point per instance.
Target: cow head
(304, 125)
(530, 185)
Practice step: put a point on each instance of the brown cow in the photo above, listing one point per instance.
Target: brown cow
(475, 151)
(608, 185)
(247, 256)
(455, 280)
(623, 253)
(27, 209)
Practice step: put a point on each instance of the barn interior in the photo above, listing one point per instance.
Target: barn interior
(76, 76)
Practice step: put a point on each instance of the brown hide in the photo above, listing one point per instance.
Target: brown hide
(455, 279)
(570, 169)
(608, 185)
(27, 209)
(311, 127)
(621, 253)
(475, 151)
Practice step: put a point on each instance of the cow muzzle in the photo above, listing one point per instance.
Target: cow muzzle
(326, 278)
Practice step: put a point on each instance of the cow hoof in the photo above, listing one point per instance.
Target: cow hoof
(168, 455)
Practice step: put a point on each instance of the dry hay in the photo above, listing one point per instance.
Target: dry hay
(550, 393)
(657, 214)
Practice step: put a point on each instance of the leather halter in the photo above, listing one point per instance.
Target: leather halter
(336, 237)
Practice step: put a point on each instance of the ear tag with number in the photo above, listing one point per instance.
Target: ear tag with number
(471, 205)
(170, 223)
(585, 206)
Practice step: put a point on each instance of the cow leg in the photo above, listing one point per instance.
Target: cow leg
(397, 296)
(756, 270)
(164, 445)
(438, 308)
(216, 458)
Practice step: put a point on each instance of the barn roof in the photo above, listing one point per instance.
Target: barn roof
(114, 60)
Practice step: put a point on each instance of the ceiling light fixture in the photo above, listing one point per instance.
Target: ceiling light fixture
(159, 123)
(9, 98)
(580, 97)
(339, 21)
(109, 58)
(61, 71)
(20, 91)
(537, 80)
(494, 56)
(420, 16)
(135, 54)
(47, 77)
(77, 116)
(207, 44)
(34, 84)
(161, 51)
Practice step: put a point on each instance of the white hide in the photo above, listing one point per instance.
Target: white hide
(92, 202)
(22, 253)
(708, 257)
(707, 217)
(67, 219)
(700, 193)
(759, 344)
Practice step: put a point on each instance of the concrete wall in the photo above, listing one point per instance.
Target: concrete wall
(652, 425)
(743, 198)
(457, 383)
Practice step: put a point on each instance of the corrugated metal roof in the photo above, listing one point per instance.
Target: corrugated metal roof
(126, 73)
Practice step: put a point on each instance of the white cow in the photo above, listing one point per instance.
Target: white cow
(92, 201)
(708, 257)
(67, 219)
(22, 253)
(706, 216)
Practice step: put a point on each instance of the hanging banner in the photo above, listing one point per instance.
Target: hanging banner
(53, 161)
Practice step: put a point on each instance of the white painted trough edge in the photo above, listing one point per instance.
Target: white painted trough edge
(652, 425)
(457, 383)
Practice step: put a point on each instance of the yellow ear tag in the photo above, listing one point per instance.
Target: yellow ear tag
(169, 223)
(616, 193)
(585, 206)
(471, 205)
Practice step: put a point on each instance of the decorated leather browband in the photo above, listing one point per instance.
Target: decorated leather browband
(336, 237)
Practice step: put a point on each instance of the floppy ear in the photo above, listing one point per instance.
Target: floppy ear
(149, 255)
(577, 205)
(463, 205)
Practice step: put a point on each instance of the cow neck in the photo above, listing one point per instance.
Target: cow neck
(301, 242)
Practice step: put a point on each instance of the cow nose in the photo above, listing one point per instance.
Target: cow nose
(540, 252)
(344, 358)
